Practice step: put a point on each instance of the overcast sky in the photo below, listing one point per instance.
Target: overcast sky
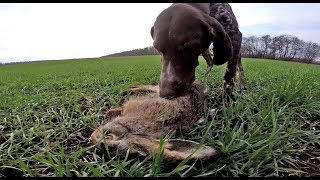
(61, 31)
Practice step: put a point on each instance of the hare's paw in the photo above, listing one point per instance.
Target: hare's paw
(113, 112)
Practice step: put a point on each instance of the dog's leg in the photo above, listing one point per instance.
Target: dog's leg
(241, 75)
(228, 80)
(231, 69)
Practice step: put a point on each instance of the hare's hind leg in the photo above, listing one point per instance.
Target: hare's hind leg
(143, 89)
(113, 112)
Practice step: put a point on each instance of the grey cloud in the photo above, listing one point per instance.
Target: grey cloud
(300, 19)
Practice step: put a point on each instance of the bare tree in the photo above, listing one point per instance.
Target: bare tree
(311, 51)
(284, 47)
(274, 47)
(280, 43)
(297, 47)
(287, 40)
(246, 47)
(266, 43)
(254, 44)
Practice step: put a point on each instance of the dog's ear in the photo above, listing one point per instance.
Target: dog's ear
(151, 31)
(222, 45)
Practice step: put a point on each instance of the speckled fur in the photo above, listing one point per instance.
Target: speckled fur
(225, 16)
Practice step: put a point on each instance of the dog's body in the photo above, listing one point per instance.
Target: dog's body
(225, 16)
(184, 31)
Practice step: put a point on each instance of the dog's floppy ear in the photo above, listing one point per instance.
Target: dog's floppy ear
(222, 45)
(151, 31)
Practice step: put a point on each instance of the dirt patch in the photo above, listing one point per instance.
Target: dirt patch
(10, 172)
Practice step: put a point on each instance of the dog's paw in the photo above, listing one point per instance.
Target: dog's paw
(242, 88)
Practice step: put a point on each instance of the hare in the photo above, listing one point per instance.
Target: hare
(139, 124)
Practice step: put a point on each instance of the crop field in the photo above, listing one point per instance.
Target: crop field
(48, 110)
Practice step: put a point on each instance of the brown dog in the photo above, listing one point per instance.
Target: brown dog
(181, 33)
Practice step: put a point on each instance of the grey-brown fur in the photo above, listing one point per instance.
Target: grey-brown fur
(155, 116)
(144, 119)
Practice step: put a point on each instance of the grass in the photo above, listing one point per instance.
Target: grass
(49, 109)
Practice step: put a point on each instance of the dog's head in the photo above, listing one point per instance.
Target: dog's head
(181, 33)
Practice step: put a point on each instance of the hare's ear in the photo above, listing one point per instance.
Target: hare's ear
(174, 150)
(180, 149)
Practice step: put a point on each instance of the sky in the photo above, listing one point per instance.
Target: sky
(63, 31)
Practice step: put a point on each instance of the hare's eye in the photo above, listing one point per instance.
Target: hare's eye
(109, 137)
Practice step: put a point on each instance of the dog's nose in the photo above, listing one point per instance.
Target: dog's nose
(171, 92)
(167, 93)
(173, 89)
(166, 96)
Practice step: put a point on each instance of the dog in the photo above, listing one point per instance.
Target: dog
(184, 31)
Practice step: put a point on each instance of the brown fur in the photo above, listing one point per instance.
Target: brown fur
(144, 119)
(181, 33)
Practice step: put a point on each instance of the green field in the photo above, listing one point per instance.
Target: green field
(48, 110)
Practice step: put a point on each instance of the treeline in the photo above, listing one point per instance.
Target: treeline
(136, 52)
(282, 47)
(21, 62)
